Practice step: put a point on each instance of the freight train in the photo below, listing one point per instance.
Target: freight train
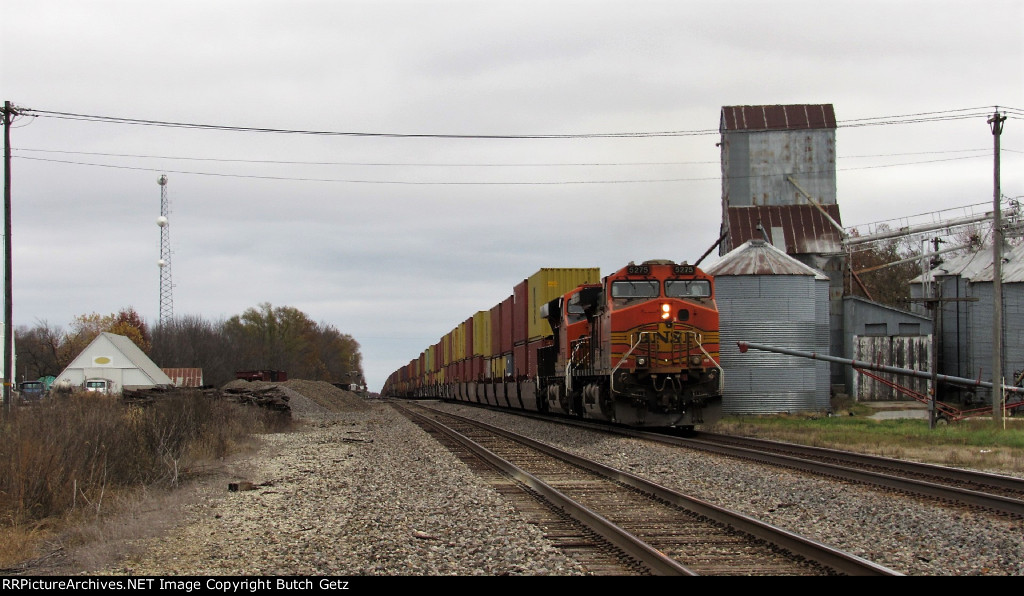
(637, 348)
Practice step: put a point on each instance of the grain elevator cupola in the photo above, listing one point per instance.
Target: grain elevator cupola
(779, 185)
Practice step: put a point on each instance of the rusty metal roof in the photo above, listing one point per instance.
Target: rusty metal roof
(788, 117)
(806, 229)
(757, 257)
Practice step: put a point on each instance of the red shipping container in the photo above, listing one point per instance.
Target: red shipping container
(505, 346)
(520, 361)
(520, 313)
(496, 329)
(531, 354)
(185, 377)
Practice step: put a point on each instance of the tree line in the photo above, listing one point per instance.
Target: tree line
(261, 338)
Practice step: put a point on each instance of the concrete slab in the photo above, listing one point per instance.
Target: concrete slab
(889, 410)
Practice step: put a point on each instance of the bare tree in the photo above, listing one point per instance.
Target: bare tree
(884, 269)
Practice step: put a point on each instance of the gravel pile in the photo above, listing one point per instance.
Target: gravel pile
(360, 490)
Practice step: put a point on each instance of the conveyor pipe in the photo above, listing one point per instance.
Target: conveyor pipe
(744, 345)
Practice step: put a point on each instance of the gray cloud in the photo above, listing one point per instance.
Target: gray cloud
(383, 251)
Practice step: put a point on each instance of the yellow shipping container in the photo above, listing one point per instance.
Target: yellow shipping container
(459, 343)
(429, 360)
(482, 333)
(446, 349)
(548, 284)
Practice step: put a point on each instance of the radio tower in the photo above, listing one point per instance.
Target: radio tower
(166, 299)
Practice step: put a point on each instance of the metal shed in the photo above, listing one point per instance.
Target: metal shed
(881, 334)
(966, 338)
(765, 296)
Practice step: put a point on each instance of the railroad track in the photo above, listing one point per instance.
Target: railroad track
(1003, 495)
(994, 492)
(625, 524)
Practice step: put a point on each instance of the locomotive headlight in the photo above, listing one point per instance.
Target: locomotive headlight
(666, 311)
(696, 360)
(641, 360)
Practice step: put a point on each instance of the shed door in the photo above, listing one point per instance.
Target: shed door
(901, 351)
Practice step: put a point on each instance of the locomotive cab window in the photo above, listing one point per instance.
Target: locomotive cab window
(574, 313)
(628, 292)
(687, 288)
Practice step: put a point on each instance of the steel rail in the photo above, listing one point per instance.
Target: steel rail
(631, 545)
(997, 481)
(999, 503)
(812, 550)
(920, 487)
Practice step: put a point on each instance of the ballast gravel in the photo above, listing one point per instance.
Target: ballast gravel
(359, 490)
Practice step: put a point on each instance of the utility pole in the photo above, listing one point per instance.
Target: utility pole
(8, 334)
(998, 394)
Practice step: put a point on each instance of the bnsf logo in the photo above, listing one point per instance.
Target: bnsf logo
(674, 337)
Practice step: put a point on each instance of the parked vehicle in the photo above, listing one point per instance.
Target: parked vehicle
(98, 385)
(32, 390)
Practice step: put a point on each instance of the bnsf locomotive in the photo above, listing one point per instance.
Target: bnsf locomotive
(639, 348)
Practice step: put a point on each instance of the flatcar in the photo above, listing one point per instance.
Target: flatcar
(638, 347)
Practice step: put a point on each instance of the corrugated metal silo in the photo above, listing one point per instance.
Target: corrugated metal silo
(765, 296)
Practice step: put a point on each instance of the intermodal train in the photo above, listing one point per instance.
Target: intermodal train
(638, 347)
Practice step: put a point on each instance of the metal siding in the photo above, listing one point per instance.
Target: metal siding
(780, 311)
(736, 172)
(979, 332)
(912, 352)
(775, 157)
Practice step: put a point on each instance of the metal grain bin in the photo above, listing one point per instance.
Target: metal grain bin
(765, 296)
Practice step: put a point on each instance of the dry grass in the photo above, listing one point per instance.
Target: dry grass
(970, 443)
(83, 468)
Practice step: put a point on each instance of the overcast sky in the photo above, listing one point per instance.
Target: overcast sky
(397, 239)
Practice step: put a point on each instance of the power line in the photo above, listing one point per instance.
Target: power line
(356, 181)
(465, 183)
(461, 164)
(219, 127)
(955, 114)
(389, 164)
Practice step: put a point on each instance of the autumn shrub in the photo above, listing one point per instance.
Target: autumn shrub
(72, 452)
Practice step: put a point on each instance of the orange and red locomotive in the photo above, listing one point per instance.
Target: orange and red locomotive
(638, 347)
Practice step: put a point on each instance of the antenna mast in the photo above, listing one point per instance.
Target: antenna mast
(166, 299)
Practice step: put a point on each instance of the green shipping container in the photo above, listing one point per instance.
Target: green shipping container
(548, 284)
